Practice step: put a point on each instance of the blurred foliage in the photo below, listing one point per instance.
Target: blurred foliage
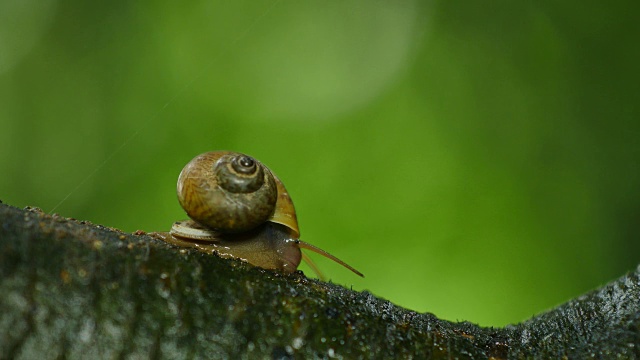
(475, 160)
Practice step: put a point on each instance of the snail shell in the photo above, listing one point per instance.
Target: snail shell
(232, 193)
(239, 209)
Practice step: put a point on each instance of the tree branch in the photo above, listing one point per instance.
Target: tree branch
(76, 290)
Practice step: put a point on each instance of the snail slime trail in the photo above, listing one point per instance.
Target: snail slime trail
(177, 94)
(238, 208)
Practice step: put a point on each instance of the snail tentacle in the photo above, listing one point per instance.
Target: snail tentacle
(305, 245)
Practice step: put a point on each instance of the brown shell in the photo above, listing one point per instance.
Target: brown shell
(206, 202)
(285, 213)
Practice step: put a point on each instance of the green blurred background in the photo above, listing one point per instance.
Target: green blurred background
(475, 160)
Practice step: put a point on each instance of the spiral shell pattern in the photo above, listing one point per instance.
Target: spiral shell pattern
(227, 191)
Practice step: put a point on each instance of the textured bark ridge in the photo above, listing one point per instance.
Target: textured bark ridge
(70, 289)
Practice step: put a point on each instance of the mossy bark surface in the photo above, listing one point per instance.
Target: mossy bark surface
(71, 289)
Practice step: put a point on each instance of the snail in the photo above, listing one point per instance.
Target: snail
(240, 209)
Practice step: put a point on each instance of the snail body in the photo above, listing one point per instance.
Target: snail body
(239, 209)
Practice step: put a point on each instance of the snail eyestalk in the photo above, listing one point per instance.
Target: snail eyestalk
(313, 266)
(303, 245)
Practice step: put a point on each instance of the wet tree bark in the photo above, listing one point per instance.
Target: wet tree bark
(70, 289)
